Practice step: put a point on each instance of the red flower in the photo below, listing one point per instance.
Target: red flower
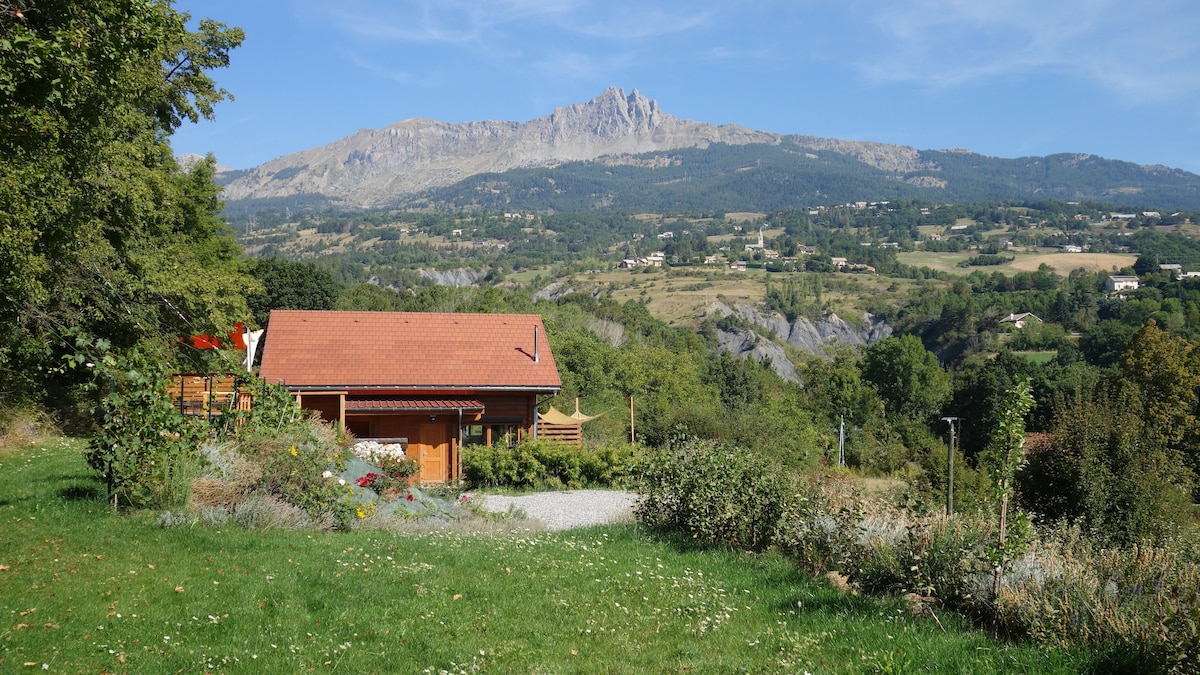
(409, 497)
(363, 481)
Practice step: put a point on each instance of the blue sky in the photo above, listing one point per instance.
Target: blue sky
(1008, 78)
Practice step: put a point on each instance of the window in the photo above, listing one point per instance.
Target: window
(506, 435)
(474, 434)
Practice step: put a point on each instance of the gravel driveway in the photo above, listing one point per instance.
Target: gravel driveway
(565, 510)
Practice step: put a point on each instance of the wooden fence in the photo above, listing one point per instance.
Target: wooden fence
(207, 395)
(571, 434)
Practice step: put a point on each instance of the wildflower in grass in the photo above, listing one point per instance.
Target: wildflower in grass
(292, 450)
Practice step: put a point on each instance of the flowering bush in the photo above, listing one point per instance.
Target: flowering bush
(395, 468)
(387, 486)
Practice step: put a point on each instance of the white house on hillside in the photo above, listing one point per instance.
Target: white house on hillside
(1120, 282)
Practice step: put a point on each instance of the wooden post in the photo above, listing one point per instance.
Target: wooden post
(631, 436)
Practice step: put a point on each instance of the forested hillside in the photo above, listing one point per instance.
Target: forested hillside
(788, 176)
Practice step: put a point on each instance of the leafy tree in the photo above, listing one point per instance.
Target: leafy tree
(980, 392)
(907, 377)
(734, 380)
(1164, 372)
(836, 387)
(289, 284)
(100, 229)
(1102, 345)
(1007, 456)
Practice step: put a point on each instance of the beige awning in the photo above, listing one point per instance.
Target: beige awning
(556, 416)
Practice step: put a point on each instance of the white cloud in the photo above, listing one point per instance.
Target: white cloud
(388, 73)
(1131, 48)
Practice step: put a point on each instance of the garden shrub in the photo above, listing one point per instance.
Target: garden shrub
(294, 462)
(715, 494)
(145, 451)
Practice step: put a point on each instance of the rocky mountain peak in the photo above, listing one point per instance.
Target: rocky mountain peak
(375, 166)
(611, 115)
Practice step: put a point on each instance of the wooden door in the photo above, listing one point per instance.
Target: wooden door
(435, 451)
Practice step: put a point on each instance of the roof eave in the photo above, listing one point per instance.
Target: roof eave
(429, 388)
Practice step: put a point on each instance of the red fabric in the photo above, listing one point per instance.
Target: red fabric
(205, 342)
(236, 339)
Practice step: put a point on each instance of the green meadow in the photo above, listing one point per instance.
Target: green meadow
(85, 590)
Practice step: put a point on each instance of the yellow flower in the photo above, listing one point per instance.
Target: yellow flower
(361, 513)
(293, 451)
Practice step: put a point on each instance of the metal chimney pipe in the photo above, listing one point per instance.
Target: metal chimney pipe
(535, 344)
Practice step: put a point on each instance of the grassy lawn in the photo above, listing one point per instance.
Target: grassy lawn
(1039, 358)
(83, 590)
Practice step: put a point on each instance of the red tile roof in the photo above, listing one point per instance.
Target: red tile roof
(407, 349)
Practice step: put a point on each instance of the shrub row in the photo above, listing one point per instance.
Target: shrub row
(1136, 607)
(547, 464)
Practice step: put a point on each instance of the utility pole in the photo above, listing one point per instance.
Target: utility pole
(842, 442)
(950, 468)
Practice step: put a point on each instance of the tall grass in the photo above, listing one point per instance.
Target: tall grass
(84, 590)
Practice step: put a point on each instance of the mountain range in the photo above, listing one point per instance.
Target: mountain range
(622, 151)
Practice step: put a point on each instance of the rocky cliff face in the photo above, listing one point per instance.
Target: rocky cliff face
(375, 166)
(805, 335)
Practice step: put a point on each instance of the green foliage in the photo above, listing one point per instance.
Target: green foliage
(985, 259)
(290, 285)
(715, 494)
(907, 377)
(734, 380)
(547, 464)
(1165, 373)
(100, 229)
(1006, 455)
(793, 299)
(1005, 458)
(146, 452)
(294, 451)
(1101, 470)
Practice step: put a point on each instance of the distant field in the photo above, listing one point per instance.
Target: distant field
(744, 216)
(682, 299)
(945, 262)
(1063, 263)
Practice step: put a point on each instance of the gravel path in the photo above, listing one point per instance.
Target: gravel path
(565, 510)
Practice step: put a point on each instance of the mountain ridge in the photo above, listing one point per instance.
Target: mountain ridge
(405, 163)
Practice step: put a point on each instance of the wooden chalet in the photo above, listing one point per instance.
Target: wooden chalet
(432, 381)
